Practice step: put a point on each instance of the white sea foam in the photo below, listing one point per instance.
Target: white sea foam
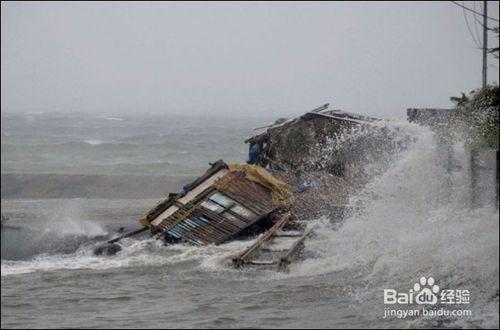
(135, 253)
(94, 142)
(411, 217)
(414, 221)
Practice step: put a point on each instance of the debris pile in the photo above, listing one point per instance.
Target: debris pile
(323, 155)
(298, 169)
(314, 141)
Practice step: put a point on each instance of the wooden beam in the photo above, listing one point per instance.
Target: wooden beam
(243, 257)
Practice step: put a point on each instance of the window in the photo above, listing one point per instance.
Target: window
(208, 204)
(244, 212)
(227, 207)
(222, 199)
(229, 216)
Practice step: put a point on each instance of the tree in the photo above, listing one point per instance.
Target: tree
(478, 117)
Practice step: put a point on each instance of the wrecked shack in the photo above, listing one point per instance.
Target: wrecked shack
(231, 201)
(322, 154)
(226, 202)
(311, 142)
(298, 169)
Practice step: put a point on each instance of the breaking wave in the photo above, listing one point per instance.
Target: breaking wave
(135, 253)
(94, 142)
(114, 118)
(414, 220)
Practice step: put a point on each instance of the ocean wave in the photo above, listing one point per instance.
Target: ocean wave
(146, 183)
(135, 253)
(94, 142)
(172, 145)
(412, 222)
(114, 118)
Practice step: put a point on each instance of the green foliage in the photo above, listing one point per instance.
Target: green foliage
(478, 117)
(460, 100)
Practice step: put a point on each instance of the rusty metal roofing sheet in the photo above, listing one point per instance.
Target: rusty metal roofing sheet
(239, 203)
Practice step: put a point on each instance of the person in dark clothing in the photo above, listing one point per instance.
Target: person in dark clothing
(254, 153)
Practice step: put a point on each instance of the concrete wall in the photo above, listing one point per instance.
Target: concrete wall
(483, 172)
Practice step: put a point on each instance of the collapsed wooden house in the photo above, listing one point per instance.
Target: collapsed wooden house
(314, 141)
(225, 202)
(229, 201)
(322, 154)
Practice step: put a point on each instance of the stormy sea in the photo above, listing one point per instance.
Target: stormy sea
(70, 182)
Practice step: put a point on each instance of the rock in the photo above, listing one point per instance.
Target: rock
(108, 249)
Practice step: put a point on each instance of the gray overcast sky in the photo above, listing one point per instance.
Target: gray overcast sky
(258, 59)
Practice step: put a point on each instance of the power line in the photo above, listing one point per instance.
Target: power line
(470, 31)
(475, 12)
(476, 21)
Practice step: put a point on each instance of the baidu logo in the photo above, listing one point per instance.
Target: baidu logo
(424, 292)
(427, 291)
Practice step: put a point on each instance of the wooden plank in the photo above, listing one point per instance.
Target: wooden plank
(262, 262)
(241, 259)
(296, 248)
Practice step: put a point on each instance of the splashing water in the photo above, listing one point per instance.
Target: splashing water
(60, 229)
(67, 219)
(413, 221)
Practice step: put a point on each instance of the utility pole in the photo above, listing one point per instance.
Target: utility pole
(485, 42)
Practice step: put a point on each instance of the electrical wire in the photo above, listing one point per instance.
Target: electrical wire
(478, 44)
(477, 21)
(475, 12)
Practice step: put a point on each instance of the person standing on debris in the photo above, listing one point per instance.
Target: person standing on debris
(254, 153)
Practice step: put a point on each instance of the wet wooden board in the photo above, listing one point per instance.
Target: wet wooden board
(273, 248)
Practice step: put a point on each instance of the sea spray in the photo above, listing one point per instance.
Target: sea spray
(68, 219)
(412, 221)
(61, 229)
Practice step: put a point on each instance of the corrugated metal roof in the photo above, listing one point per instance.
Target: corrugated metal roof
(232, 204)
(322, 111)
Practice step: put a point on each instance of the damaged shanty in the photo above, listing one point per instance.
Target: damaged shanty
(298, 169)
(322, 155)
(315, 141)
(226, 203)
